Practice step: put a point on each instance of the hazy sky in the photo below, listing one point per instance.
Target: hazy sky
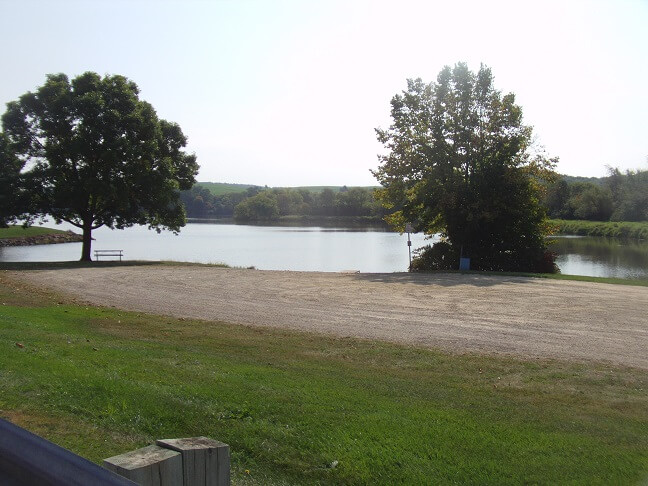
(288, 93)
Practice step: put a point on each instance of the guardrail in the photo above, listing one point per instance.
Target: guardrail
(27, 460)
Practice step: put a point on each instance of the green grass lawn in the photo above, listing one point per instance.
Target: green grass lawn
(304, 409)
(17, 231)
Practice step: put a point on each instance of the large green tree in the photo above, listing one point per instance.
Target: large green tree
(261, 207)
(629, 193)
(11, 193)
(99, 155)
(458, 162)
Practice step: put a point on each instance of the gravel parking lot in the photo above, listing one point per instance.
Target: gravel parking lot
(524, 317)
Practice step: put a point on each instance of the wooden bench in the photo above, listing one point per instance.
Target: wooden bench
(109, 253)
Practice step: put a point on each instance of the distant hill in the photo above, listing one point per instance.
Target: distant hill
(332, 188)
(220, 188)
(599, 181)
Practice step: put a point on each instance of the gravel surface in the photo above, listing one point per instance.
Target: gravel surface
(524, 317)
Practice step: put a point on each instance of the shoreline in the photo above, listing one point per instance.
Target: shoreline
(45, 239)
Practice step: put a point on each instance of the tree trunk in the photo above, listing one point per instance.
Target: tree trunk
(87, 242)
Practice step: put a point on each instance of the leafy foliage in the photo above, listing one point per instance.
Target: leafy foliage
(458, 162)
(261, 207)
(99, 155)
(579, 200)
(12, 197)
(618, 197)
(440, 256)
(629, 194)
(346, 202)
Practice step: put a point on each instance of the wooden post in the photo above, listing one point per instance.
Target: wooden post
(205, 461)
(148, 466)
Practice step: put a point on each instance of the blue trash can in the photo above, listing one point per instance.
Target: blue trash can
(464, 264)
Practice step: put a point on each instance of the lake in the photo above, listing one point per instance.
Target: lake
(335, 249)
(597, 256)
(264, 247)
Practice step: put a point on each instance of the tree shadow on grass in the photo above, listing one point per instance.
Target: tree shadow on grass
(445, 279)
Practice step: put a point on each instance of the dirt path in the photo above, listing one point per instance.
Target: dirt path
(503, 315)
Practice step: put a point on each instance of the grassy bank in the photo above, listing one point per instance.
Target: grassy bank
(17, 231)
(611, 229)
(35, 235)
(303, 409)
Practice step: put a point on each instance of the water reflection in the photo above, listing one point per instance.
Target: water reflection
(364, 248)
(367, 249)
(314, 224)
(601, 257)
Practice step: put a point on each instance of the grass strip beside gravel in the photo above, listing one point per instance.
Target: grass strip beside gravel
(304, 409)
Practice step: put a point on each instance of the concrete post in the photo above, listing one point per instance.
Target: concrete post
(205, 461)
(148, 466)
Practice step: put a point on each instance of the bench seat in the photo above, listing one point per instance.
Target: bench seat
(109, 253)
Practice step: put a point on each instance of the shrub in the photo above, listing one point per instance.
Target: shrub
(440, 256)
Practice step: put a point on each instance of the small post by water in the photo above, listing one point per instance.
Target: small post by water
(409, 229)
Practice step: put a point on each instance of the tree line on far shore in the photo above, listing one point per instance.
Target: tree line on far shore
(617, 197)
(269, 204)
(621, 196)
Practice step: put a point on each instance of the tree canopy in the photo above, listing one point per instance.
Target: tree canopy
(354, 202)
(617, 197)
(459, 162)
(629, 194)
(11, 193)
(98, 155)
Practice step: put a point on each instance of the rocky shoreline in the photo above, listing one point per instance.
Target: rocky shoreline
(48, 239)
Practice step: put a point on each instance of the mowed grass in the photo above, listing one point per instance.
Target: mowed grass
(304, 409)
(17, 231)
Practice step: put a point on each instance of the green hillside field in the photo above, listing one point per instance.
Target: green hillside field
(221, 188)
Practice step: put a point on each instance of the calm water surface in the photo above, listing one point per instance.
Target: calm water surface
(264, 247)
(601, 257)
(320, 249)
